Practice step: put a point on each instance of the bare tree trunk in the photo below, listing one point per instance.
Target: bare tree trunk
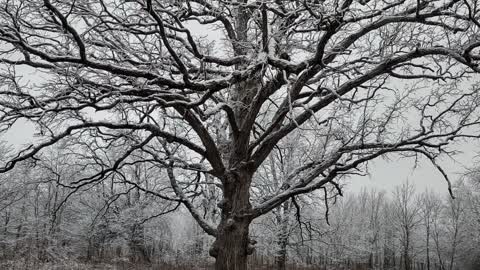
(428, 247)
(282, 241)
(281, 256)
(232, 245)
(406, 249)
(454, 247)
(137, 244)
(6, 252)
(437, 245)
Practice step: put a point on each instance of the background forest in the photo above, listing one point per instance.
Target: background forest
(115, 225)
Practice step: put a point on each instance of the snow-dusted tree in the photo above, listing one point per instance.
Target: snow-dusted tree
(292, 221)
(206, 89)
(429, 204)
(472, 253)
(375, 227)
(407, 219)
(454, 223)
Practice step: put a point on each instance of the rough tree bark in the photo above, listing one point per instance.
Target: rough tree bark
(282, 238)
(232, 245)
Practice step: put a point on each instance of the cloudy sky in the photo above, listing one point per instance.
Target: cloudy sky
(386, 174)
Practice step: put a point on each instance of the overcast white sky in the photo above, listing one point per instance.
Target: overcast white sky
(388, 174)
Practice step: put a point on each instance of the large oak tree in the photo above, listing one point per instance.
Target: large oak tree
(206, 90)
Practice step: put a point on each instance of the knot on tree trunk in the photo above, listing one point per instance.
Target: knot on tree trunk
(251, 246)
(222, 204)
(230, 224)
(213, 251)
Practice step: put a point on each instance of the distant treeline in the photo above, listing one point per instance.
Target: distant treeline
(42, 223)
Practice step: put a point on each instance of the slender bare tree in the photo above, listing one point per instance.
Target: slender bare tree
(406, 213)
(428, 203)
(206, 89)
